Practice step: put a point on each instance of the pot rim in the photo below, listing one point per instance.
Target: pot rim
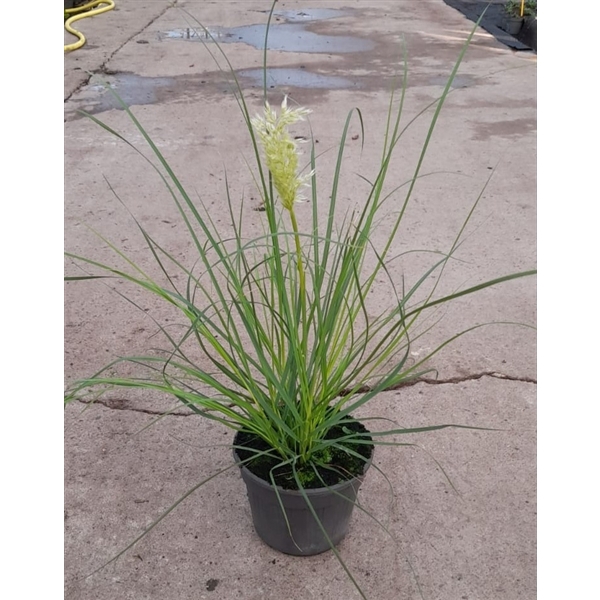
(308, 491)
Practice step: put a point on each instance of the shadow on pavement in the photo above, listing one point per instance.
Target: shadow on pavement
(472, 9)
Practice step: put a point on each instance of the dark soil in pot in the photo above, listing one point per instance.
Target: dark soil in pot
(342, 465)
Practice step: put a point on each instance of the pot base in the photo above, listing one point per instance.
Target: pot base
(304, 537)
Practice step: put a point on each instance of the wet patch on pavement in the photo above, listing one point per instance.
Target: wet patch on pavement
(290, 37)
(305, 31)
(516, 127)
(287, 37)
(298, 78)
(460, 81)
(133, 89)
(136, 90)
(309, 14)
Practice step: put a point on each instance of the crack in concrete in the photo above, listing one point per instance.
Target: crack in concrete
(460, 379)
(122, 404)
(450, 380)
(103, 67)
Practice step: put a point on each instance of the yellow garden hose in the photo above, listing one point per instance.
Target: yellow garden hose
(81, 12)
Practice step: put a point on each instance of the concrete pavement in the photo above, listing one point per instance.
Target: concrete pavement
(479, 544)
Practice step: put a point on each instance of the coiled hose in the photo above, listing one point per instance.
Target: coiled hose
(82, 12)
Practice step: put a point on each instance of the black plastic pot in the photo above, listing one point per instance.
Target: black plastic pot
(528, 33)
(511, 25)
(333, 506)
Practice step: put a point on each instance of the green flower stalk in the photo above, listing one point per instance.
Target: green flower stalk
(281, 153)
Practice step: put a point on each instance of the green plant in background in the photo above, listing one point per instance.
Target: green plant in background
(290, 347)
(513, 8)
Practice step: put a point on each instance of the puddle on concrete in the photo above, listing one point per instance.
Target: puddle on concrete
(190, 33)
(300, 78)
(136, 90)
(132, 88)
(309, 14)
(285, 37)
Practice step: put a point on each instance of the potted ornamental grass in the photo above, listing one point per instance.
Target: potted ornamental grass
(515, 12)
(291, 347)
